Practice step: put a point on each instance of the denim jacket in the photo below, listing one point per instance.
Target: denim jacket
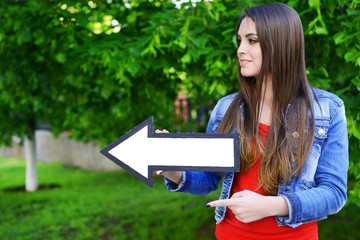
(321, 187)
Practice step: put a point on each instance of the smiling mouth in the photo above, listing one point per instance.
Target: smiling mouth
(244, 62)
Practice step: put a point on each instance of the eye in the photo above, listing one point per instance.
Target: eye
(238, 40)
(252, 40)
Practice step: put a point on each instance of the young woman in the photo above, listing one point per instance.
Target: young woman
(293, 138)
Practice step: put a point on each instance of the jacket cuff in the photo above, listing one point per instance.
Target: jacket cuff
(294, 206)
(173, 187)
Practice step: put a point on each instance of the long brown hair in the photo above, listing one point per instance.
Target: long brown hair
(289, 140)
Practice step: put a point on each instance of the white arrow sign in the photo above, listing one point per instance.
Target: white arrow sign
(141, 151)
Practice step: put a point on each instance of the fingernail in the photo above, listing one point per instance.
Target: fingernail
(208, 206)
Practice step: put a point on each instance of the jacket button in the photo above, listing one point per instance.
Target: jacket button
(321, 132)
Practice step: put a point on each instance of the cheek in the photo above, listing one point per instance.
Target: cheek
(259, 57)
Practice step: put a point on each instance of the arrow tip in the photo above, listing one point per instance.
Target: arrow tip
(125, 151)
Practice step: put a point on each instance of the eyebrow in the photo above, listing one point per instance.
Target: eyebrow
(249, 34)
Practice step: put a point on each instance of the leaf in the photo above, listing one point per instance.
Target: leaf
(342, 91)
(39, 40)
(60, 57)
(181, 44)
(356, 133)
(106, 93)
(356, 172)
(321, 30)
(200, 41)
(133, 68)
(352, 56)
(356, 82)
(157, 39)
(186, 58)
(205, 51)
(313, 3)
(24, 36)
(352, 12)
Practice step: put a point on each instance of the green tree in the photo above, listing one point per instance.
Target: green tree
(98, 68)
(67, 64)
(30, 76)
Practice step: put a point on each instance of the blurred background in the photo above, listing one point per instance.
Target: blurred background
(76, 75)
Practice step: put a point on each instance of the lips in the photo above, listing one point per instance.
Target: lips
(243, 62)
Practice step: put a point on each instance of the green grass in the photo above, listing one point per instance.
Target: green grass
(115, 205)
(97, 205)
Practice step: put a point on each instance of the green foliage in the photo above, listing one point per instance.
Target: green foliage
(88, 67)
(57, 67)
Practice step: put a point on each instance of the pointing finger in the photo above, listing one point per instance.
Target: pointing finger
(221, 203)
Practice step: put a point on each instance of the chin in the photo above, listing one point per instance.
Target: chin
(247, 75)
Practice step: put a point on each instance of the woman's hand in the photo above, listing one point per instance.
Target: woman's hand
(249, 206)
(174, 176)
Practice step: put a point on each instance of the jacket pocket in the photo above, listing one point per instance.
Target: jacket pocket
(320, 135)
(321, 130)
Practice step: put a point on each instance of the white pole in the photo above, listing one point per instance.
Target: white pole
(31, 169)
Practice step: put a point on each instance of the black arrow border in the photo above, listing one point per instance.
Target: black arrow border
(151, 134)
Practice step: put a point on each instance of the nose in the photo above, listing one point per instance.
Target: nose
(241, 49)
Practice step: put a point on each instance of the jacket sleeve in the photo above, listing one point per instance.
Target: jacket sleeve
(195, 183)
(327, 195)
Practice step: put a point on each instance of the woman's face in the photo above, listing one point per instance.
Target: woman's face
(249, 51)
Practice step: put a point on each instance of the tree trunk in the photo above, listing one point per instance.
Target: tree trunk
(31, 169)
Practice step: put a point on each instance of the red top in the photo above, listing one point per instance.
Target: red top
(266, 228)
